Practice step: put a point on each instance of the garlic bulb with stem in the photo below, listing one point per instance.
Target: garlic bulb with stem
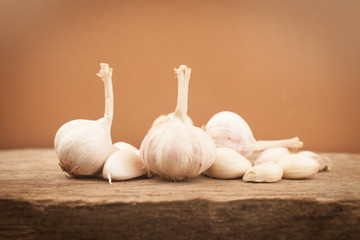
(123, 164)
(82, 146)
(166, 118)
(228, 129)
(175, 150)
(271, 155)
(228, 164)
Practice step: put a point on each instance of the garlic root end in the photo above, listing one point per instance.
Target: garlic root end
(329, 164)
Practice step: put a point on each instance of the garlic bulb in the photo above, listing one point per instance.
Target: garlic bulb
(166, 118)
(123, 164)
(82, 146)
(271, 155)
(298, 167)
(175, 150)
(228, 129)
(228, 164)
(264, 172)
(325, 162)
(125, 146)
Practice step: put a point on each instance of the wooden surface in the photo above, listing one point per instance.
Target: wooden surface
(39, 201)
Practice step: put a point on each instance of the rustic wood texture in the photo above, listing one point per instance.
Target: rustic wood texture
(39, 201)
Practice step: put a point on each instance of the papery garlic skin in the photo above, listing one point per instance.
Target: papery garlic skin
(264, 172)
(222, 127)
(228, 164)
(325, 162)
(175, 150)
(271, 155)
(298, 167)
(166, 118)
(228, 129)
(82, 146)
(122, 165)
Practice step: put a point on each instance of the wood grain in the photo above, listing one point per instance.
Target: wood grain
(39, 201)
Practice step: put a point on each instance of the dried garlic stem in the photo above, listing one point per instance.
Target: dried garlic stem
(183, 74)
(106, 74)
(288, 143)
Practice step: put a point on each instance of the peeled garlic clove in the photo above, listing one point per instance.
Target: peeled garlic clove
(271, 155)
(175, 150)
(264, 172)
(125, 146)
(123, 165)
(325, 162)
(166, 118)
(228, 129)
(297, 166)
(228, 164)
(82, 146)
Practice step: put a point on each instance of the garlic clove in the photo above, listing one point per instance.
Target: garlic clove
(228, 164)
(125, 146)
(271, 154)
(325, 162)
(82, 146)
(264, 172)
(228, 129)
(166, 118)
(297, 166)
(175, 150)
(123, 165)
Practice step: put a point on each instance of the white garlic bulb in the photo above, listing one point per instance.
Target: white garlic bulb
(264, 172)
(228, 164)
(298, 167)
(82, 146)
(271, 155)
(175, 150)
(228, 129)
(325, 162)
(166, 118)
(124, 164)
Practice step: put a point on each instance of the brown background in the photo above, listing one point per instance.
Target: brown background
(289, 68)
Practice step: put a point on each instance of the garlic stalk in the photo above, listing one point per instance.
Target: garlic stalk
(228, 164)
(228, 129)
(124, 164)
(175, 150)
(271, 155)
(82, 146)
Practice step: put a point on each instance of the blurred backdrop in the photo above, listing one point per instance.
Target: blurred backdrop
(289, 68)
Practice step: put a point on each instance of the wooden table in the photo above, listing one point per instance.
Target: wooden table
(39, 201)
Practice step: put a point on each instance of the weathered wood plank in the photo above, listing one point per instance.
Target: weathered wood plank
(38, 201)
